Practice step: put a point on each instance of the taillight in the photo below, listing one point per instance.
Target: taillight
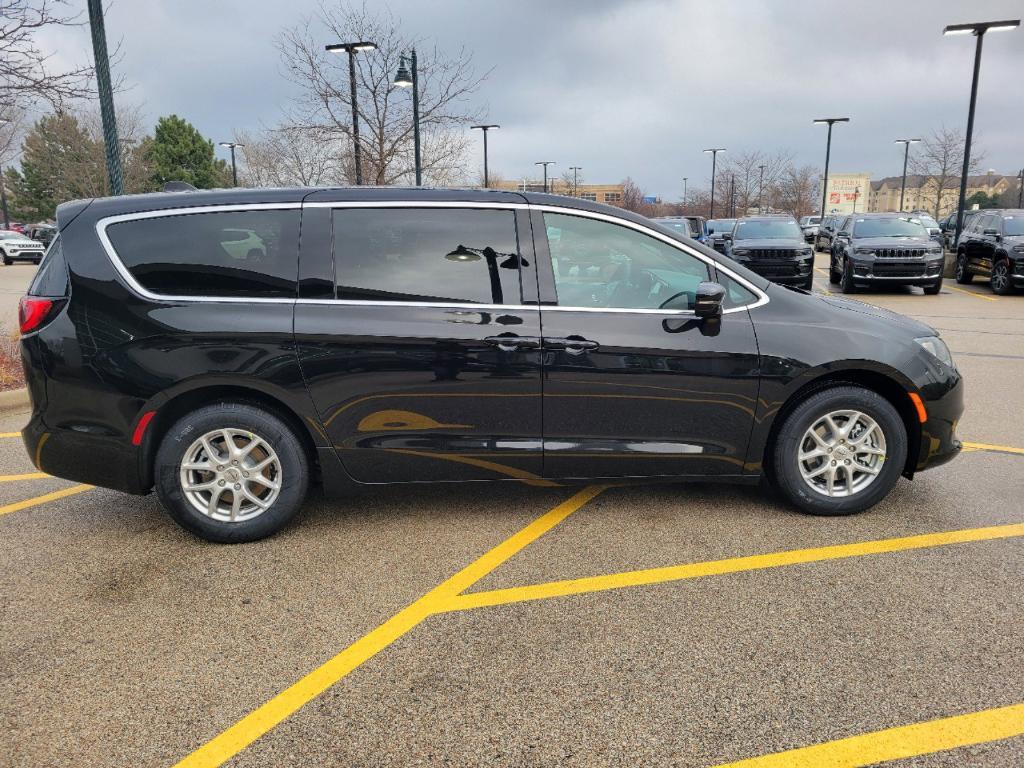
(32, 312)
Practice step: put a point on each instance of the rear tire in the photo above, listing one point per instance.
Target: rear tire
(854, 490)
(1001, 282)
(934, 288)
(963, 277)
(264, 449)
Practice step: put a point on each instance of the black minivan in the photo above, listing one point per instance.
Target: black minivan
(231, 347)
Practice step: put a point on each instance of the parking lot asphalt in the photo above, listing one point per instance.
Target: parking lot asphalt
(688, 625)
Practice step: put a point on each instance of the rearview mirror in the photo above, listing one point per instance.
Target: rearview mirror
(708, 300)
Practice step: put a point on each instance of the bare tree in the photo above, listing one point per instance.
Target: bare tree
(446, 84)
(745, 167)
(289, 156)
(940, 159)
(494, 178)
(26, 75)
(797, 190)
(570, 183)
(632, 196)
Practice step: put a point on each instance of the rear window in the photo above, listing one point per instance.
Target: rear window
(223, 253)
(444, 255)
(51, 278)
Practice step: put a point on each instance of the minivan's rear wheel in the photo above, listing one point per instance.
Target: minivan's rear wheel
(231, 472)
(840, 451)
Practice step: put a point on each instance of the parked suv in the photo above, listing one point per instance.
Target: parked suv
(809, 226)
(993, 247)
(416, 335)
(717, 230)
(774, 247)
(885, 249)
(698, 228)
(678, 224)
(15, 246)
(826, 231)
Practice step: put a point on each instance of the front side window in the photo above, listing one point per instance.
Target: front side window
(439, 255)
(767, 229)
(223, 253)
(1013, 226)
(894, 227)
(599, 264)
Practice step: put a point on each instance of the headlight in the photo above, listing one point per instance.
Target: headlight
(740, 251)
(1018, 248)
(806, 252)
(937, 348)
(864, 251)
(934, 251)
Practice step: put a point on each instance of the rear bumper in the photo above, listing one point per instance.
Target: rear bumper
(945, 405)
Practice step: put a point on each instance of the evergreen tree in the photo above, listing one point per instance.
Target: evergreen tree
(180, 153)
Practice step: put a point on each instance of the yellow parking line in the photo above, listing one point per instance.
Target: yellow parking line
(243, 733)
(994, 448)
(25, 476)
(730, 565)
(10, 434)
(37, 500)
(901, 742)
(972, 293)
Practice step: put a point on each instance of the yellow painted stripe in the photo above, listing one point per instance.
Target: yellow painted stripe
(37, 500)
(243, 733)
(972, 293)
(898, 743)
(731, 565)
(10, 434)
(25, 476)
(991, 447)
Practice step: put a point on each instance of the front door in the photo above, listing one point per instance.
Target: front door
(424, 363)
(634, 383)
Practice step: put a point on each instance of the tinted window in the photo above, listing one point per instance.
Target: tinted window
(770, 229)
(894, 227)
(735, 294)
(1013, 225)
(720, 225)
(426, 254)
(679, 226)
(223, 253)
(597, 264)
(52, 276)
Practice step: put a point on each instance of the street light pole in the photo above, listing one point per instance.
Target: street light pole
(405, 78)
(99, 51)
(234, 169)
(760, 190)
(545, 163)
(3, 187)
(684, 190)
(1020, 189)
(485, 129)
(714, 157)
(856, 194)
(575, 179)
(351, 49)
(978, 30)
(906, 156)
(828, 151)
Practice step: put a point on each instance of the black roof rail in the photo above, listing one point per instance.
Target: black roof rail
(178, 186)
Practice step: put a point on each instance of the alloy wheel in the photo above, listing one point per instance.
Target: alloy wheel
(841, 453)
(1000, 277)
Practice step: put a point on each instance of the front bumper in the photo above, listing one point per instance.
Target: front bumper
(880, 271)
(793, 271)
(944, 403)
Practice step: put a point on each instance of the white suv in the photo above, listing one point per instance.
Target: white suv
(14, 246)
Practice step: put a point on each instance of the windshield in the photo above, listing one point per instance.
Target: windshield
(720, 225)
(928, 221)
(679, 225)
(767, 229)
(1013, 225)
(808, 221)
(894, 227)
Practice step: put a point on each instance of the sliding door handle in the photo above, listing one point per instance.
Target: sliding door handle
(513, 343)
(574, 345)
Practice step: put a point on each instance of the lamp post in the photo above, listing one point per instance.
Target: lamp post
(714, 157)
(99, 52)
(408, 77)
(3, 186)
(732, 196)
(351, 49)
(1020, 189)
(760, 190)
(575, 179)
(545, 163)
(684, 191)
(485, 129)
(906, 155)
(856, 194)
(830, 121)
(234, 169)
(978, 30)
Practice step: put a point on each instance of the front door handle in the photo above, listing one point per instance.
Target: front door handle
(513, 343)
(574, 345)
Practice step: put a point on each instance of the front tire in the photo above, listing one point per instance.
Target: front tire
(1001, 282)
(934, 288)
(963, 277)
(847, 285)
(231, 472)
(839, 451)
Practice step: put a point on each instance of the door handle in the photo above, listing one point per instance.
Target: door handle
(574, 345)
(512, 343)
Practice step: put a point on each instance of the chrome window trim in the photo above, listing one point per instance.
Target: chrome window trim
(134, 285)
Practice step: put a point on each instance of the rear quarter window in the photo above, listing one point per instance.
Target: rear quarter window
(222, 253)
(51, 278)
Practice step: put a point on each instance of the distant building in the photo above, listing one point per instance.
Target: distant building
(598, 193)
(847, 192)
(923, 191)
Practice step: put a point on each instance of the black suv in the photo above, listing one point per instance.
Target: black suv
(717, 231)
(993, 247)
(772, 246)
(827, 230)
(885, 249)
(231, 347)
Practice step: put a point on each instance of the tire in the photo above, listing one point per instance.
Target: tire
(833, 275)
(809, 284)
(963, 277)
(291, 470)
(1001, 282)
(7, 261)
(934, 288)
(846, 284)
(868, 489)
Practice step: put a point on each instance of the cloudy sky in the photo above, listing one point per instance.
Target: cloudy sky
(633, 88)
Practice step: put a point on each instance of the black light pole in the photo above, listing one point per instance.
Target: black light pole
(545, 163)
(408, 76)
(351, 49)
(714, 158)
(234, 169)
(575, 179)
(732, 196)
(684, 190)
(828, 151)
(760, 190)
(485, 129)
(978, 30)
(1020, 189)
(906, 156)
(99, 52)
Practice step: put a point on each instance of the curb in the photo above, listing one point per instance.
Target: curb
(14, 400)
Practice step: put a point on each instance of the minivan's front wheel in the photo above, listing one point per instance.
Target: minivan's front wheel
(840, 451)
(231, 472)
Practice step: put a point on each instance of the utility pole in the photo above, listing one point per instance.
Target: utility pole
(545, 163)
(351, 49)
(1020, 189)
(684, 190)
(485, 129)
(906, 155)
(714, 157)
(830, 121)
(234, 169)
(99, 51)
(760, 190)
(575, 179)
(732, 196)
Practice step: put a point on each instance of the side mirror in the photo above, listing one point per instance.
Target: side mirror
(991, 231)
(708, 300)
(844, 233)
(727, 236)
